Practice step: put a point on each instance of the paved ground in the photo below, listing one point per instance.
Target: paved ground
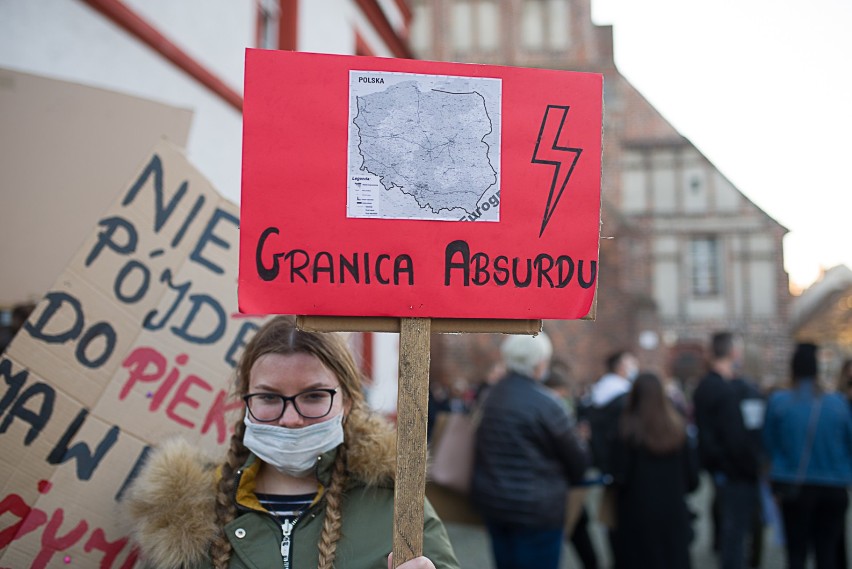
(472, 548)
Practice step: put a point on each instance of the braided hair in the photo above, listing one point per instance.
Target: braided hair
(226, 510)
(280, 336)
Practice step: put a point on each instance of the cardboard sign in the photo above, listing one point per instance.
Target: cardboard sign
(386, 187)
(51, 134)
(136, 341)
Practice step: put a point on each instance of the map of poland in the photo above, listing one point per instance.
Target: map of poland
(423, 146)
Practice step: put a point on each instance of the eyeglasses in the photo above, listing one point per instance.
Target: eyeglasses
(310, 404)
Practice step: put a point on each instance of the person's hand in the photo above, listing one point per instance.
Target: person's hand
(416, 563)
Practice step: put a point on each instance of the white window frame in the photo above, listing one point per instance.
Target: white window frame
(706, 275)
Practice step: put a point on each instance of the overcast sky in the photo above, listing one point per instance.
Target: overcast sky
(764, 89)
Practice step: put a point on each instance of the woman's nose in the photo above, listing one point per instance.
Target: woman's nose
(291, 417)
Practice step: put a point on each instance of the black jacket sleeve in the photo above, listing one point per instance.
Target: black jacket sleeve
(741, 443)
(709, 402)
(572, 453)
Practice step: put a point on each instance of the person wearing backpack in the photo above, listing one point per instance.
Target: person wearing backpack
(809, 438)
(749, 459)
(729, 413)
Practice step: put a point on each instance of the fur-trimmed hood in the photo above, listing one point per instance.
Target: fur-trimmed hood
(171, 504)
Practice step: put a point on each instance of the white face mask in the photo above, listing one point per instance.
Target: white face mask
(293, 451)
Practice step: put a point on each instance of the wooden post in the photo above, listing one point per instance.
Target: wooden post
(412, 402)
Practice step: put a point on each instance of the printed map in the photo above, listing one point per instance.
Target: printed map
(423, 147)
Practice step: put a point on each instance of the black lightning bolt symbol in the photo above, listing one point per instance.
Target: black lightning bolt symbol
(562, 158)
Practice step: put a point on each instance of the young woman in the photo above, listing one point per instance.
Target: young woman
(654, 468)
(307, 481)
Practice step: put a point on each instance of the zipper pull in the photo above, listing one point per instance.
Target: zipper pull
(286, 529)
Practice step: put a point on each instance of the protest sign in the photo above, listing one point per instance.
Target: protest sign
(395, 188)
(135, 341)
(378, 189)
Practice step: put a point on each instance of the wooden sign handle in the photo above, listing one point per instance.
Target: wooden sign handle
(412, 402)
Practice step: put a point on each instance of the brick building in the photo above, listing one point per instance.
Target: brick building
(683, 251)
(823, 315)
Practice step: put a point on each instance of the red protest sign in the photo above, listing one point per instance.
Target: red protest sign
(387, 187)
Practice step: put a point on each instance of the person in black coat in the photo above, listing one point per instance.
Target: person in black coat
(654, 467)
(526, 456)
(729, 413)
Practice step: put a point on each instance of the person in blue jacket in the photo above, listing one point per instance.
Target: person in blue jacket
(808, 437)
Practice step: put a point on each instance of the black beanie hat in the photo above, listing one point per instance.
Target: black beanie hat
(804, 362)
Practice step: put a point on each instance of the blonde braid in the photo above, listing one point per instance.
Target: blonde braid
(331, 525)
(226, 509)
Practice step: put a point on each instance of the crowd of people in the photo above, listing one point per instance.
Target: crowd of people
(307, 481)
(783, 457)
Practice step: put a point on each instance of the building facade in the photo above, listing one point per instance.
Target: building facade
(683, 252)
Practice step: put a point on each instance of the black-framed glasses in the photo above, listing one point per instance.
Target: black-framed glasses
(310, 404)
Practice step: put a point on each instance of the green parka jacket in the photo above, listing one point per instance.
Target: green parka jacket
(171, 506)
